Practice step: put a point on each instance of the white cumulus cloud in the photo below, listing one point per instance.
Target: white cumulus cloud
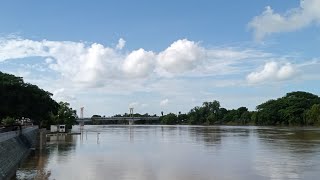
(270, 22)
(96, 65)
(21, 48)
(164, 102)
(61, 95)
(49, 60)
(121, 44)
(139, 63)
(73, 60)
(273, 71)
(134, 104)
(182, 55)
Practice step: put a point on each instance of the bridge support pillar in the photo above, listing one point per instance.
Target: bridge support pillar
(131, 115)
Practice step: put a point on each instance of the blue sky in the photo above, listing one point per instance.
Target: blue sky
(162, 55)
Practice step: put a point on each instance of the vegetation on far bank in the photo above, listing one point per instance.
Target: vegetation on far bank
(19, 99)
(294, 109)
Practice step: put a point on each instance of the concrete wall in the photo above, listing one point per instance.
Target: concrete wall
(53, 128)
(14, 147)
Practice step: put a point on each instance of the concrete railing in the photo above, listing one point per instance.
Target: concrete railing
(8, 135)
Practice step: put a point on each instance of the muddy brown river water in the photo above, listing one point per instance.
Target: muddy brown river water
(177, 153)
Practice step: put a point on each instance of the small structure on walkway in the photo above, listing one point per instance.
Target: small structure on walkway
(58, 128)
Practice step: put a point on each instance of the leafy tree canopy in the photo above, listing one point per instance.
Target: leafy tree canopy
(288, 110)
(19, 99)
(295, 108)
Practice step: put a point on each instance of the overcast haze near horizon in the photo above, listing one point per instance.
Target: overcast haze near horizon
(162, 55)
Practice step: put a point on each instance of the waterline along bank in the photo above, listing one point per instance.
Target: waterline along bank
(16, 146)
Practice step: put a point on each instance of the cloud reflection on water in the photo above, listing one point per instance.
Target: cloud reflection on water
(183, 152)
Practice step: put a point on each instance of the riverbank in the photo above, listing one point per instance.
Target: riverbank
(14, 147)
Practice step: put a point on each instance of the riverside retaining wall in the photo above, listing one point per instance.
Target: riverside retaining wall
(14, 147)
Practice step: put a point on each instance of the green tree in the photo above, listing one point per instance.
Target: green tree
(19, 99)
(66, 115)
(313, 115)
(245, 118)
(182, 118)
(169, 119)
(8, 121)
(221, 114)
(195, 116)
(288, 110)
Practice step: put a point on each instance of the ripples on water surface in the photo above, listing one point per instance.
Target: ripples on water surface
(177, 153)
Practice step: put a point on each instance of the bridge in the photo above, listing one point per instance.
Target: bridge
(131, 120)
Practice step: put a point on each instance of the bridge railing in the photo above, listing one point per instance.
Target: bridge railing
(118, 118)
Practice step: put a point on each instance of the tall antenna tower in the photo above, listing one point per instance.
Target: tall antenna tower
(131, 112)
(81, 112)
(131, 115)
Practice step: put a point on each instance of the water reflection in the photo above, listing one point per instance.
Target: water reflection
(178, 152)
(288, 153)
(37, 166)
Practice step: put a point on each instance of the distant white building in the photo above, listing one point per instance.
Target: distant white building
(58, 128)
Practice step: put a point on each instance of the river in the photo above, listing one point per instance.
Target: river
(177, 153)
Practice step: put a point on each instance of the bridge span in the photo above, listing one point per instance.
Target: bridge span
(131, 120)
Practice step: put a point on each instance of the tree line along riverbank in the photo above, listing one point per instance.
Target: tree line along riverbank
(24, 100)
(294, 109)
(19, 99)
